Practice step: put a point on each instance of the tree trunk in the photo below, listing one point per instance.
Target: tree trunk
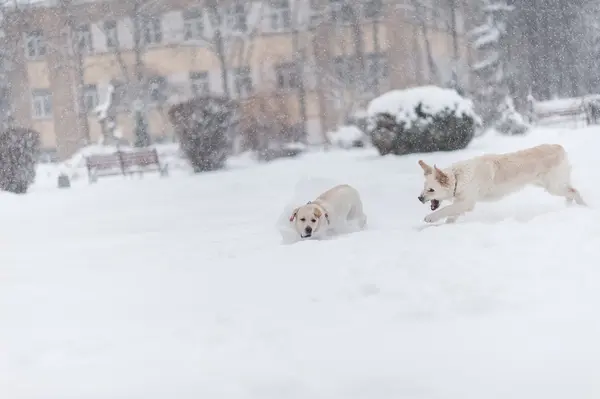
(222, 57)
(216, 20)
(77, 72)
(377, 87)
(359, 48)
(142, 136)
(455, 46)
(299, 65)
(81, 106)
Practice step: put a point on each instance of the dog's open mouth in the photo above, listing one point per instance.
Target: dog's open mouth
(306, 236)
(435, 204)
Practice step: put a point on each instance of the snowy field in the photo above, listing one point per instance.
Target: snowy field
(180, 288)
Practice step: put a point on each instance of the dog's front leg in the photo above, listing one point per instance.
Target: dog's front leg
(452, 212)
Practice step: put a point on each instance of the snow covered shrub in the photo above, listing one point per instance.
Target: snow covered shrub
(421, 119)
(347, 137)
(19, 148)
(510, 121)
(202, 125)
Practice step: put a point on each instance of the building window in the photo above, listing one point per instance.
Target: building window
(237, 17)
(281, 15)
(242, 79)
(35, 45)
(199, 83)
(193, 24)
(90, 97)
(341, 11)
(119, 94)
(111, 34)
(42, 103)
(157, 87)
(152, 30)
(316, 13)
(372, 9)
(287, 76)
(83, 39)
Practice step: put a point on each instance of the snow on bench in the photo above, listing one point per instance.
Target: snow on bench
(566, 112)
(124, 163)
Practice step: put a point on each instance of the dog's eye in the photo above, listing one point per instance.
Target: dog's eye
(313, 220)
(430, 190)
(303, 220)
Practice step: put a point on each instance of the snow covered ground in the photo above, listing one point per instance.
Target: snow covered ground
(180, 288)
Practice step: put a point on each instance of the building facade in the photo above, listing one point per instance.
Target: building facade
(66, 57)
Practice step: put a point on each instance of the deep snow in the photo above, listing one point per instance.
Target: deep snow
(181, 288)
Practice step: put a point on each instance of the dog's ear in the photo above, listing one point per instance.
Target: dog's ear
(318, 213)
(294, 214)
(426, 168)
(440, 176)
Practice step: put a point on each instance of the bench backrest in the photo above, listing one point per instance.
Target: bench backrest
(122, 159)
(139, 158)
(103, 161)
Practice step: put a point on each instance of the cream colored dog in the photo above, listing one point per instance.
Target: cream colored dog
(337, 210)
(493, 176)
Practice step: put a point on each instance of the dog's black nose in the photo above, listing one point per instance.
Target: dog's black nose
(308, 229)
(421, 198)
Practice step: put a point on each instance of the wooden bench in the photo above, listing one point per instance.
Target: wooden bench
(576, 111)
(124, 163)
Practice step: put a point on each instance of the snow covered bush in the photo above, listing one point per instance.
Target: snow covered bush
(202, 125)
(347, 137)
(510, 121)
(421, 119)
(19, 148)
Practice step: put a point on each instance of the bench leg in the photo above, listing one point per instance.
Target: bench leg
(164, 171)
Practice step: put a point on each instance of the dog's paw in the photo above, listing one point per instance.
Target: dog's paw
(430, 218)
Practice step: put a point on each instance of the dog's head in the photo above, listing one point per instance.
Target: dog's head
(308, 219)
(437, 187)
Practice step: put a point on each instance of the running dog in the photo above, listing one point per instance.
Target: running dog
(493, 176)
(336, 211)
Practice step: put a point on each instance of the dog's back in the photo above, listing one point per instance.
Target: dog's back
(527, 165)
(497, 175)
(342, 190)
(346, 201)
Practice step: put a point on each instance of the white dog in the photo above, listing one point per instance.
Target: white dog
(336, 211)
(491, 177)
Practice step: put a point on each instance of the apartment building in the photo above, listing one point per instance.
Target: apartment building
(66, 56)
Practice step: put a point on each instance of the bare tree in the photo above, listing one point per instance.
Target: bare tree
(6, 66)
(299, 25)
(78, 45)
(354, 77)
(422, 11)
(138, 86)
(230, 34)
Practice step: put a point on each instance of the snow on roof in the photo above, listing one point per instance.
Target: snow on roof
(434, 99)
